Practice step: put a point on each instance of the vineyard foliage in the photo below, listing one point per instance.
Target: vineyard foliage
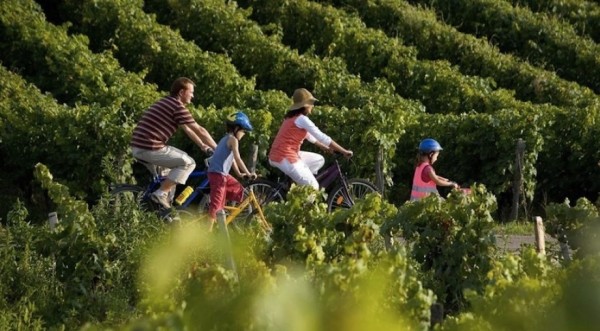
(477, 75)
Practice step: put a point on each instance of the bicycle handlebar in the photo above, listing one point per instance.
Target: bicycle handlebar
(249, 178)
(337, 155)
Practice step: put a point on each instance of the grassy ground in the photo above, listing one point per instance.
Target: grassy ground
(515, 228)
(512, 236)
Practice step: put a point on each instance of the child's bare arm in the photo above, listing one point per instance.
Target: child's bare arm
(239, 163)
(441, 181)
(236, 169)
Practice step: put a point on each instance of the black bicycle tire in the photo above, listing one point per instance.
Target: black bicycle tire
(137, 194)
(260, 186)
(335, 193)
(274, 194)
(203, 203)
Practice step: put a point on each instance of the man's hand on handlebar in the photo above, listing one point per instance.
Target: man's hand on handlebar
(208, 150)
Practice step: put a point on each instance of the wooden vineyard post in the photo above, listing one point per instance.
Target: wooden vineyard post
(52, 220)
(437, 314)
(253, 158)
(540, 238)
(518, 179)
(221, 221)
(379, 171)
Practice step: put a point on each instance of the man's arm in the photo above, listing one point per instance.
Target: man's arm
(197, 139)
(199, 135)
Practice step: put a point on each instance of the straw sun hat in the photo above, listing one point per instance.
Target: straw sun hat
(302, 98)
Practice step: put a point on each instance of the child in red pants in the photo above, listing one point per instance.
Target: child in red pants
(223, 186)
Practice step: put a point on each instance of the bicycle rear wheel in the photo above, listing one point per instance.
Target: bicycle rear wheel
(124, 196)
(203, 204)
(358, 188)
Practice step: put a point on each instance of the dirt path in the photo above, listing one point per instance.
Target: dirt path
(515, 242)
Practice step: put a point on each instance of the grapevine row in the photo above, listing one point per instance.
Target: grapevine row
(583, 15)
(223, 27)
(433, 39)
(63, 65)
(142, 45)
(370, 53)
(72, 140)
(539, 38)
(477, 148)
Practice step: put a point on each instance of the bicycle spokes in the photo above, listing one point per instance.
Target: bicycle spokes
(345, 196)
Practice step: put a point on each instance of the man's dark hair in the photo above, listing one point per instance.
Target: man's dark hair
(180, 84)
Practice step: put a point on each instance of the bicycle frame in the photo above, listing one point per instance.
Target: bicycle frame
(202, 186)
(250, 199)
(329, 175)
(326, 179)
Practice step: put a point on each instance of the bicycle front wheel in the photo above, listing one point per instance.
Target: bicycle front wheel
(358, 188)
(266, 191)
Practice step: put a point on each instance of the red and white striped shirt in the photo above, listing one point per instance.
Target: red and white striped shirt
(159, 123)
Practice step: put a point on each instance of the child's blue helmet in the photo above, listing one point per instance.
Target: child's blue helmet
(429, 145)
(240, 119)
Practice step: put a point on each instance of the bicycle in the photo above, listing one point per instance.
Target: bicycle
(343, 195)
(121, 194)
(250, 200)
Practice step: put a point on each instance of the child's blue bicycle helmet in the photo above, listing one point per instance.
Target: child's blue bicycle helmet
(240, 119)
(429, 145)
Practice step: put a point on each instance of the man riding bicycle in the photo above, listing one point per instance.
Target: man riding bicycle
(157, 125)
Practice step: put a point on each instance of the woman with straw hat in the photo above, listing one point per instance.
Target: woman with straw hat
(285, 153)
